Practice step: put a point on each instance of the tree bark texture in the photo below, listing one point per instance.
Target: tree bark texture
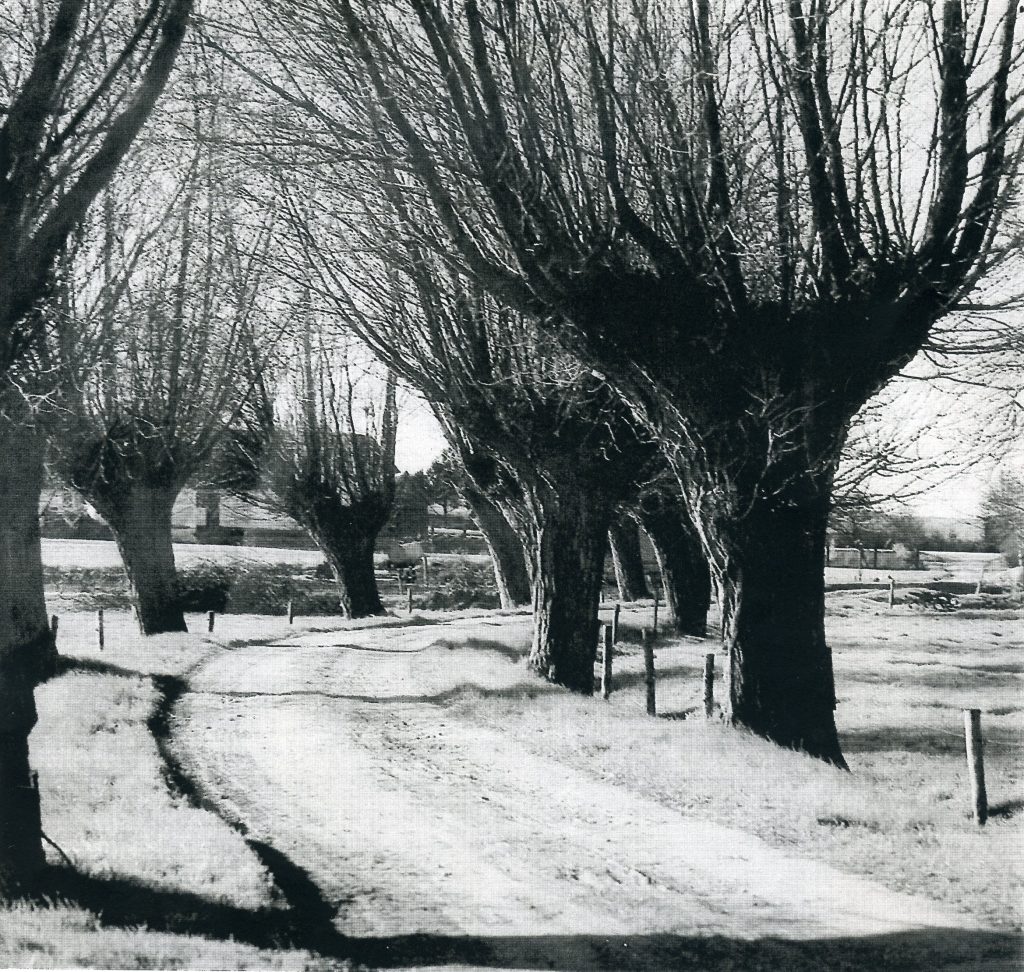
(771, 570)
(627, 559)
(506, 549)
(346, 533)
(26, 646)
(140, 517)
(682, 563)
(351, 561)
(566, 547)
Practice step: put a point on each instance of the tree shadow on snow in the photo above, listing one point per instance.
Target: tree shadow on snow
(307, 923)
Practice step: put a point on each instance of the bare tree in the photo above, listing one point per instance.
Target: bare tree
(77, 84)
(321, 449)
(729, 210)
(155, 333)
(1003, 510)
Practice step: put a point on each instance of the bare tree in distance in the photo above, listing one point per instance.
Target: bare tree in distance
(79, 81)
(154, 340)
(319, 447)
(728, 211)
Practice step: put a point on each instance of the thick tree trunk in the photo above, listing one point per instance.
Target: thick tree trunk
(351, 560)
(771, 568)
(26, 650)
(140, 517)
(567, 548)
(507, 554)
(624, 540)
(683, 565)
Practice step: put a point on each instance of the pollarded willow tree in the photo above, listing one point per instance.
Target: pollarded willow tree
(77, 83)
(318, 445)
(748, 216)
(155, 328)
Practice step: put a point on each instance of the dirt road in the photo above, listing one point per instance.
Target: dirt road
(438, 840)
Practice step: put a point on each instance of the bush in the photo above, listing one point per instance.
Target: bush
(204, 586)
(267, 589)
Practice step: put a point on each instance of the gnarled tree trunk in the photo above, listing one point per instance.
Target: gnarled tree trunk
(26, 647)
(683, 564)
(346, 535)
(627, 559)
(351, 560)
(566, 547)
(140, 517)
(770, 565)
(507, 554)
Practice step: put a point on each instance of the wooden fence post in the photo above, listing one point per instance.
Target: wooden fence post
(976, 764)
(892, 591)
(426, 571)
(606, 661)
(410, 598)
(291, 612)
(210, 615)
(99, 626)
(654, 626)
(649, 671)
(615, 623)
(709, 685)
(54, 622)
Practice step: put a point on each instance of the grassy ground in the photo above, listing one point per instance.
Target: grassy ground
(152, 875)
(131, 854)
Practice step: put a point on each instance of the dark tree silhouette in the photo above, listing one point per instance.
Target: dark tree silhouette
(747, 217)
(78, 83)
(624, 543)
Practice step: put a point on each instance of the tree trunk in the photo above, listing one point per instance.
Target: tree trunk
(140, 518)
(507, 554)
(351, 560)
(567, 548)
(624, 540)
(771, 568)
(683, 565)
(26, 649)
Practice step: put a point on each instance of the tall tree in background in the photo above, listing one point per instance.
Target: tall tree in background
(729, 212)
(78, 82)
(1002, 509)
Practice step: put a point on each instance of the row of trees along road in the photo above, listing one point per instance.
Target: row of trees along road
(79, 81)
(729, 212)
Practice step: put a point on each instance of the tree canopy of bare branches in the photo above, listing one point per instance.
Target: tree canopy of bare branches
(747, 216)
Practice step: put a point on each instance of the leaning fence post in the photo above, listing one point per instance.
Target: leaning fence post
(649, 672)
(99, 627)
(606, 661)
(210, 615)
(892, 591)
(709, 685)
(976, 764)
(615, 623)
(291, 612)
